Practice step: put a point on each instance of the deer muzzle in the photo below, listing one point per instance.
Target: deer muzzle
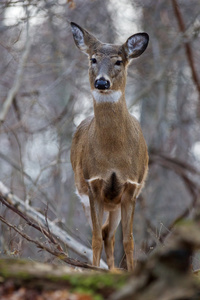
(102, 84)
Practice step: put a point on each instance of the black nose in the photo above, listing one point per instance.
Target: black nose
(102, 84)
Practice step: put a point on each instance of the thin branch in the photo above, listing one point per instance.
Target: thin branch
(27, 176)
(28, 221)
(18, 78)
(182, 165)
(183, 36)
(59, 254)
(59, 234)
(50, 236)
(187, 46)
(181, 168)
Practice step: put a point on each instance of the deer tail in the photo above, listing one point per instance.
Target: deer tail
(112, 187)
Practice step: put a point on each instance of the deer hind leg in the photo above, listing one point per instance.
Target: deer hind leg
(127, 213)
(108, 232)
(96, 208)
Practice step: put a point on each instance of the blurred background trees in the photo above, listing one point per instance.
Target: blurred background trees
(44, 95)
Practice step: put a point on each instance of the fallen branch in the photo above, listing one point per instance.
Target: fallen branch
(57, 232)
(55, 251)
(28, 221)
(25, 279)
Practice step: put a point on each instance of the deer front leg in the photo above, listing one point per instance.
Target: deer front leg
(127, 213)
(96, 208)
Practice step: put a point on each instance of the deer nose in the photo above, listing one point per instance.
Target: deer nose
(102, 84)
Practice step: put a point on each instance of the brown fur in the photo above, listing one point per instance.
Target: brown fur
(109, 148)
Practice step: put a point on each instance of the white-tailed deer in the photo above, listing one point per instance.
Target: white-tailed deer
(109, 154)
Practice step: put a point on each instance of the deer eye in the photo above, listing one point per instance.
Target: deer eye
(118, 62)
(93, 60)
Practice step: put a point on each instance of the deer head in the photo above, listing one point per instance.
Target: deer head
(108, 63)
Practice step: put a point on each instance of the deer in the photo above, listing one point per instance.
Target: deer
(109, 154)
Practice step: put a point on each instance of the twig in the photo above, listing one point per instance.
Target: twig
(50, 236)
(184, 165)
(28, 221)
(163, 69)
(188, 48)
(18, 78)
(60, 234)
(181, 168)
(27, 176)
(59, 254)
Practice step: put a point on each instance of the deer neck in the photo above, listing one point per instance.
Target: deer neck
(110, 115)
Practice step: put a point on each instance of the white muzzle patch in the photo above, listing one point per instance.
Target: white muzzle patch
(110, 96)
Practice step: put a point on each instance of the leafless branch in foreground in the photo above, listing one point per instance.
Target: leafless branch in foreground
(52, 250)
(182, 169)
(41, 220)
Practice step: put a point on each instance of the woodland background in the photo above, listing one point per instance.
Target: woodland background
(44, 95)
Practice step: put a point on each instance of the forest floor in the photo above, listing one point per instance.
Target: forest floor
(21, 279)
(166, 275)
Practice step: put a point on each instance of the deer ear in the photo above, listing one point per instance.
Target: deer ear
(136, 45)
(84, 40)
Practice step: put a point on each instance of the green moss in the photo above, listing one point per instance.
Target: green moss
(90, 293)
(97, 280)
(92, 280)
(93, 283)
